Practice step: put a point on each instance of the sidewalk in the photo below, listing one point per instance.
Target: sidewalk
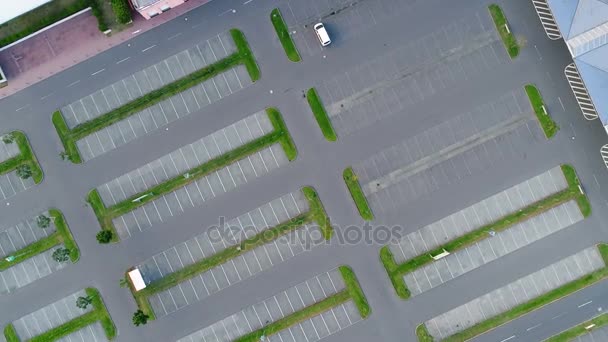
(68, 44)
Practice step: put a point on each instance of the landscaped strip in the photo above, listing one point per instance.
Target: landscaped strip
(581, 329)
(318, 110)
(99, 313)
(62, 235)
(316, 214)
(352, 291)
(281, 28)
(352, 183)
(26, 157)
(69, 137)
(505, 33)
(532, 304)
(546, 122)
(280, 134)
(397, 271)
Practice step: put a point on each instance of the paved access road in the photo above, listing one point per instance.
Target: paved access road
(424, 76)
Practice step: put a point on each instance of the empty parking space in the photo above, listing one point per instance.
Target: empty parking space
(148, 79)
(11, 184)
(185, 158)
(448, 153)
(91, 333)
(163, 113)
(479, 214)
(403, 78)
(50, 316)
(8, 151)
(29, 271)
(22, 234)
(283, 304)
(515, 293)
(493, 247)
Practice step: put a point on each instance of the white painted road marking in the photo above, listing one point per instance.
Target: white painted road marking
(97, 72)
(246, 2)
(534, 327)
(148, 48)
(136, 32)
(73, 83)
(558, 316)
(589, 302)
(20, 108)
(174, 36)
(508, 338)
(122, 60)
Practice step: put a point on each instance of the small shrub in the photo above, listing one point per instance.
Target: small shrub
(24, 171)
(61, 255)
(43, 221)
(140, 318)
(83, 302)
(8, 138)
(104, 236)
(122, 11)
(96, 10)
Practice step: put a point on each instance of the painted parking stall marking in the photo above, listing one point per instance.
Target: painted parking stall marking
(7, 151)
(515, 293)
(547, 19)
(237, 269)
(466, 144)
(479, 214)
(580, 92)
(284, 304)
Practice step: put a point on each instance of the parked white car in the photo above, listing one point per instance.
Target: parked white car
(322, 34)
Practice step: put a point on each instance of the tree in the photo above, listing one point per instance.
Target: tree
(61, 254)
(104, 236)
(8, 138)
(43, 221)
(24, 171)
(139, 318)
(121, 10)
(83, 302)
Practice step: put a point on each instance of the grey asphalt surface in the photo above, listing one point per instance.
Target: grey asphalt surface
(360, 35)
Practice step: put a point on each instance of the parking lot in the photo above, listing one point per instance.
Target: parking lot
(8, 151)
(22, 234)
(238, 269)
(397, 82)
(51, 316)
(596, 335)
(29, 271)
(11, 184)
(517, 292)
(494, 247)
(91, 333)
(283, 304)
(479, 214)
(449, 152)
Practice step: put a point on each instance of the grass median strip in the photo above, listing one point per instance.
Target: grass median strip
(283, 33)
(505, 33)
(98, 314)
(26, 158)
(355, 291)
(316, 214)
(397, 271)
(533, 304)
(69, 137)
(280, 134)
(581, 329)
(352, 183)
(546, 122)
(320, 114)
(62, 235)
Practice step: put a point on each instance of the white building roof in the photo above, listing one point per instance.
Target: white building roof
(13, 9)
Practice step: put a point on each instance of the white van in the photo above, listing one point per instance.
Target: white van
(322, 34)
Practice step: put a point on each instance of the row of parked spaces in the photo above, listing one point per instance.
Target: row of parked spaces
(479, 214)
(22, 234)
(148, 79)
(233, 271)
(493, 247)
(29, 271)
(416, 72)
(11, 184)
(284, 304)
(164, 112)
(596, 335)
(8, 151)
(180, 161)
(515, 293)
(449, 152)
(50, 316)
(91, 333)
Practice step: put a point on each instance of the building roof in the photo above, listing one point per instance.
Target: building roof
(584, 26)
(13, 9)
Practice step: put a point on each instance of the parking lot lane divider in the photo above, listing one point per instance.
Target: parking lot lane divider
(10, 334)
(26, 157)
(502, 26)
(352, 183)
(280, 134)
(284, 37)
(318, 213)
(572, 192)
(320, 114)
(354, 289)
(544, 118)
(69, 137)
